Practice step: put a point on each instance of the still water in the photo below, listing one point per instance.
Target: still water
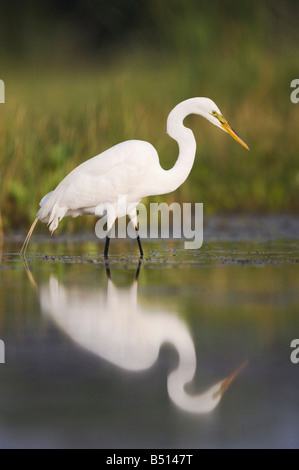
(190, 349)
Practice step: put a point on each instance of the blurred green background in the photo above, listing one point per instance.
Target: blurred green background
(83, 75)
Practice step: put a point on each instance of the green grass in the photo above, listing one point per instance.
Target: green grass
(56, 117)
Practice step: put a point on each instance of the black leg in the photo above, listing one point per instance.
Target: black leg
(107, 266)
(108, 272)
(140, 247)
(106, 247)
(138, 269)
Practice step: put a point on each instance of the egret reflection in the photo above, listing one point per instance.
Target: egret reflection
(113, 325)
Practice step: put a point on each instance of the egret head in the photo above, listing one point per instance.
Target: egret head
(204, 107)
(212, 113)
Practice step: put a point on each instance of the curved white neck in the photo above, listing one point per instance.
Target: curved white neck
(176, 176)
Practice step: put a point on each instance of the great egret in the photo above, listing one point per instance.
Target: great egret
(131, 170)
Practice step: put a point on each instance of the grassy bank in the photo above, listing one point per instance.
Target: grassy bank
(57, 116)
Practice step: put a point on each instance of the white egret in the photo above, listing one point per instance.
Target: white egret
(129, 170)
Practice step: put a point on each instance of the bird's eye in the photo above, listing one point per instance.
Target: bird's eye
(214, 113)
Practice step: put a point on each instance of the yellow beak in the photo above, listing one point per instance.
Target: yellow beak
(225, 125)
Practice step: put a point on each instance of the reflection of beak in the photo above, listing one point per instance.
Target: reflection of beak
(228, 380)
(225, 125)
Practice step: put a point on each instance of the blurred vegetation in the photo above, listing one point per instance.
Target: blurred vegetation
(82, 76)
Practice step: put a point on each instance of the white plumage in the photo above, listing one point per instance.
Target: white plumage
(129, 170)
(120, 170)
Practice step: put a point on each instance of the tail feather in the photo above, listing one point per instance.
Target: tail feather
(45, 198)
(57, 213)
(46, 207)
(50, 212)
(25, 244)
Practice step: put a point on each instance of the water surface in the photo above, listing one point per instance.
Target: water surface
(194, 353)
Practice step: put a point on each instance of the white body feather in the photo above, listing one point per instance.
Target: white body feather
(119, 171)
